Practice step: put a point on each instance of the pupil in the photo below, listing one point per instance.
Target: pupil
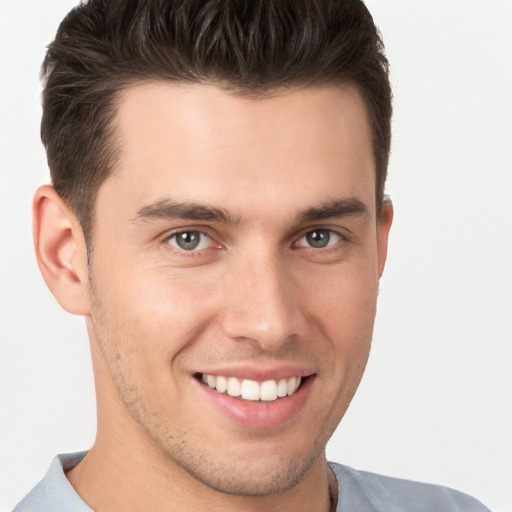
(318, 238)
(188, 240)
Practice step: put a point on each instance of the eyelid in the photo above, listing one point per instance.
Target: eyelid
(340, 238)
(212, 244)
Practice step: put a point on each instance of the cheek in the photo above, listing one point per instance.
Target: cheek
(152, 299)
(146, 322)
(343, 306)
(343, 300)
(138, 347)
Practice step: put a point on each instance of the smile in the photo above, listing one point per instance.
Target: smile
(246, 389)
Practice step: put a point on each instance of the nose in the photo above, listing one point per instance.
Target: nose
(261, 303)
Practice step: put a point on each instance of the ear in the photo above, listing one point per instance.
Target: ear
(60, 250)
(383, 226)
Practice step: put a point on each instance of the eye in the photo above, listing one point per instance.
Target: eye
(190, 240)
(319, 239)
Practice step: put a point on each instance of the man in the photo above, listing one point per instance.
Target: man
(217, 214)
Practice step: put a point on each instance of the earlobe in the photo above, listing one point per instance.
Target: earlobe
(383, 226)
(60, 250)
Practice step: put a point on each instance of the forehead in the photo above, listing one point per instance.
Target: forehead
(200, 143)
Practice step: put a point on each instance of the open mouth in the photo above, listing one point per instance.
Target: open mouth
(246, 389)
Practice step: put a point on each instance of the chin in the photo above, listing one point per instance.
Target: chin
(250, 478)
(242, 472)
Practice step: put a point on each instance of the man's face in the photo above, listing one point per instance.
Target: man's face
(236, 246)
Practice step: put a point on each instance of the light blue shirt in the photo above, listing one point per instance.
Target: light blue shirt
(358, 491)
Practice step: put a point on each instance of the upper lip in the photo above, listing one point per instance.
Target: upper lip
(260, 374)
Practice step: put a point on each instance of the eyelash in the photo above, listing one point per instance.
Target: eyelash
(295, 245)
(330, 233)
(184, 252)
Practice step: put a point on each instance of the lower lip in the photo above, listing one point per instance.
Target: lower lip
(259, 414)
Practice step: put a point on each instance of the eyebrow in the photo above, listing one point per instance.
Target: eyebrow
(167, 209)
(334, 208)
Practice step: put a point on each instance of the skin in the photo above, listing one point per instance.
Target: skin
(255, 296)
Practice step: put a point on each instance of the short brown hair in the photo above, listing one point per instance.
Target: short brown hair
(247, 46)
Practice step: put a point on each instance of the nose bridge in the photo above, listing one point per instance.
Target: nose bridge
(262, 303)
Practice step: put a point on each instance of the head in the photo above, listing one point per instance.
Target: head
(226, 162)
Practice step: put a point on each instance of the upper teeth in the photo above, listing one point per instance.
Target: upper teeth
(268, 390)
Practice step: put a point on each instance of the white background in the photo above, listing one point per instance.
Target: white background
(436, 402)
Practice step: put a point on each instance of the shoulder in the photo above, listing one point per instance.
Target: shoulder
(377, 493)
(54, 492)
